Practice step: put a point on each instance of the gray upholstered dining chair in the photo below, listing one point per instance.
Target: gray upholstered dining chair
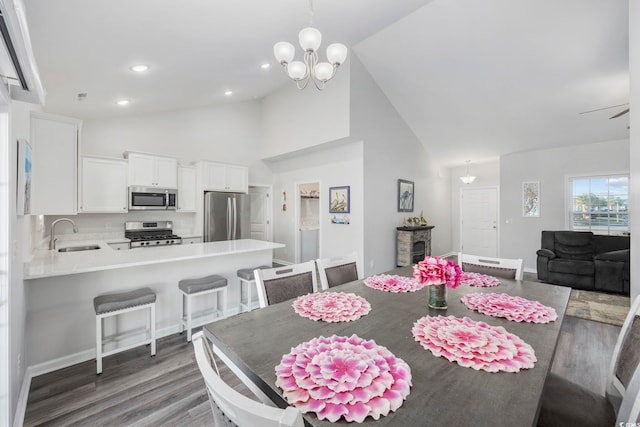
(497, 267)
(284, 283)
(229, 407)
(567, 404)
(337, 271)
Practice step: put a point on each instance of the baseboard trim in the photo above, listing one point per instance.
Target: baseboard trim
(279, 261)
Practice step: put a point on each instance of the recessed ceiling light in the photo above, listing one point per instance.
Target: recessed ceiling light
(265, 66)
(228, 92)
(141, 68)
(122, 102)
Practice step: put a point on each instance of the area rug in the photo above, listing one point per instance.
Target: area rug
(598, 306)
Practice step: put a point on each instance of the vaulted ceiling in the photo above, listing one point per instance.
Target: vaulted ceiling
(473, 79)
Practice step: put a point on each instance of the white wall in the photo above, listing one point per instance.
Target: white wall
(392, 152)
(487, 175)
(520, 237)
(634, 121)
(331, 165)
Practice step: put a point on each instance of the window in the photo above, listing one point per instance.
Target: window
(600, 204)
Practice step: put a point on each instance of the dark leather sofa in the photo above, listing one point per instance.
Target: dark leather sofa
(583, 260)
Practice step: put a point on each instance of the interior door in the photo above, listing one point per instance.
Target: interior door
(479, 221)
(259, 213)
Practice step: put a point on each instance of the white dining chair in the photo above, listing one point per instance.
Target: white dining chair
(337, 271)
(284, 283)
(507, 268)
(229, 405)
(565, 403)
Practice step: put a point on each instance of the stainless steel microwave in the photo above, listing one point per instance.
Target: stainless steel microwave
(152, 199)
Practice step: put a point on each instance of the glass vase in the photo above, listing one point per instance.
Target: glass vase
(438, 296)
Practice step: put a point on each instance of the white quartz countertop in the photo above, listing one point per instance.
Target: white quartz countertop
(46, 263)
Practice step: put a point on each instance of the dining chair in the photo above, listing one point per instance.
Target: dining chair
(497, 267)
(227, 404)
(337, 271)
(565, 403)
(284, 283)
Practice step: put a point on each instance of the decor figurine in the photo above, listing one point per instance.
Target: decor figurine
(439, 274)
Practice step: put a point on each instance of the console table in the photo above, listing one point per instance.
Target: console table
(414, 243)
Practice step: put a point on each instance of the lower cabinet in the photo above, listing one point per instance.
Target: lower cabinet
(189, 240)
(119, 246)
(103, 185)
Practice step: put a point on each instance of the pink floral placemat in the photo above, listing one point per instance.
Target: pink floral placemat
(473, 344)
(510, 307)
(331, 306)
(343, 377)
(393, 283)
(478, 279)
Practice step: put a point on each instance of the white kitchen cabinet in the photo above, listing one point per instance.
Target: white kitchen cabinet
(119, 246)
(223, 177)
(103, 185)
(190, 240)
(152, 171)
(186, 189)
(54, 178)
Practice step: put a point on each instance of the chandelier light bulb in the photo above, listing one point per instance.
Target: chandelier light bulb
(284, 52)
(323, 71)
(297, 70)
(310, 39)
(336, 53)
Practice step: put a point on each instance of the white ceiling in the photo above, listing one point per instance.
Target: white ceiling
(473, 79)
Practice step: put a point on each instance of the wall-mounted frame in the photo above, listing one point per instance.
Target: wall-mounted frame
(405, 195)
(339, 199)
(531, 199)
(23, 202)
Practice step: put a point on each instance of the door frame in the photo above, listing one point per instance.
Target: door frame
(498, 228)
(268, 208)
(297, 209)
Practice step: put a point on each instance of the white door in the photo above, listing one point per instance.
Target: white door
(479, 221)
(259, 199)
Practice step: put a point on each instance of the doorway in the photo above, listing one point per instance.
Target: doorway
(479, 221)
(261, 208)
(308, 221)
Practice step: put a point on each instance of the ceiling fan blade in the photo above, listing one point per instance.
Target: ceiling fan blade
(605, 108)
(621, 113)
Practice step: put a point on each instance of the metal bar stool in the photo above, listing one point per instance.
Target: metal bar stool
(191, 288)
(120, 303)
(248, 279)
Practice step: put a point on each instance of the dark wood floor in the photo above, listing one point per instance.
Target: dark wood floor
(167, 390)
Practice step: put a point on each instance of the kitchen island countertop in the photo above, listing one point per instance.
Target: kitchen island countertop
(46, 263)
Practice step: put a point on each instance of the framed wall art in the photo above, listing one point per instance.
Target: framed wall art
(531, 199)
(339, 199)
(405, 195)
(23, 202)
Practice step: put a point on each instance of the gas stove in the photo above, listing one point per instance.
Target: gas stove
(146, 234)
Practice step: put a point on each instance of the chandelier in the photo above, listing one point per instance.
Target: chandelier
(303, 72)
(468, 179)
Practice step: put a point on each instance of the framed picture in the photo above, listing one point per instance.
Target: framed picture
(339, 199)
(531, 199)
(405, 195)
(23, 202)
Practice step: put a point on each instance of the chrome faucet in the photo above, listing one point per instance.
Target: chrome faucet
(52, 240)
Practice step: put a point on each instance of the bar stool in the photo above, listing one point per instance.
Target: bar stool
(191, 288)
(119, 303)
(248, 279)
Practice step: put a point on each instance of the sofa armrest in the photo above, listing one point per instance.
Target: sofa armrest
(546, 253)
(622, 255)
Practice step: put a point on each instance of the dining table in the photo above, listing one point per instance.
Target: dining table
(443, 393)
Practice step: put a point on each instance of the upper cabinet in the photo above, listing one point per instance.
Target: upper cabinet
(186, 189)
(152, 171)
(223, 177)
(103, 185)
(55, 147)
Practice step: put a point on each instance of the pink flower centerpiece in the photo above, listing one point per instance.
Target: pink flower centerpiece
(343, 377)
(437, 273)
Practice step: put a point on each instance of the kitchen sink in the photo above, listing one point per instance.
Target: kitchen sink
(79, 248)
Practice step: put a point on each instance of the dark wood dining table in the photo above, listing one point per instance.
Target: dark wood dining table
(443, 393)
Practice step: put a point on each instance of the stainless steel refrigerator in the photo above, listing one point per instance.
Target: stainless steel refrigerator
(226, 216)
